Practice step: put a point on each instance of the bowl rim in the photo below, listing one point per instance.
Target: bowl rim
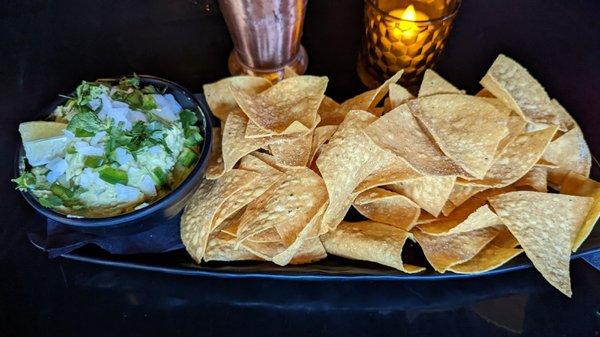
(169, 198)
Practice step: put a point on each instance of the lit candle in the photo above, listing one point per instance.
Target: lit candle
(407, 27)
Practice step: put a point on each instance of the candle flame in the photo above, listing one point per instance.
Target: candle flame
(409, 13)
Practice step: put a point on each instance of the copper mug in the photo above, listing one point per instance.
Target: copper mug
(266, 36)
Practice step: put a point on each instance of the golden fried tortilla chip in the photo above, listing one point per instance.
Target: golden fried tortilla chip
(221, 245)
(369, 241)
(445, 251)
(512, 84)
(396, 170)
(466, 128)
(252, 162)
(429, 192)
(348, 158)
(235, 145)
(310, 251)
(220, 99)
(321, 136)
(517, 158)
(565, 120)
(434, 84)
(576, 184)
(490, 257)
(198, 217)
(398, 95)
(399, 132)
(545, 226)
(293, 152)
(288, 107)
(368, 100)
(482, 217)
(536, 179)
(388, 207)
(288, 206)
(461, 193)
(330, 112)
(215, 167)
(571, 153)
(516, 126)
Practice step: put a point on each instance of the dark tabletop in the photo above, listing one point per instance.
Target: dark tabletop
(47, 47)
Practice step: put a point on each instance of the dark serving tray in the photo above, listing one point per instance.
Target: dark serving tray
(331, 268)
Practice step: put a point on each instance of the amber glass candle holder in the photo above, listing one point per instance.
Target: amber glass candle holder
(403, 34)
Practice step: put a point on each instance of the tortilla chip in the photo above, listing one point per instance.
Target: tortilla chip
(396, 170)
(293, 152)
(461, 193)
(288, 107)
(576, 184)
(199, 214)
(368, 100)
(310, 251)
(399, 132)
(330, 112)
(220, 99)
(348, 158)
(215, 167)
(429, 192)
(252, 162)
(565, 120)
(445, 251)
(516, 126)
(434, 84)
(321, 135)
(545, 226)
(513, 85)
(482, 217)
(398, 95)
(517, 158)
(490, 257)
(484, 93)
(369, 241)
(536, 179)
(235, 145)
(466, 128)
(571, 153)
(388, 207)
(222, 246)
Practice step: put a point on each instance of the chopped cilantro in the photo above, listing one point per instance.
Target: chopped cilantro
(25, 181)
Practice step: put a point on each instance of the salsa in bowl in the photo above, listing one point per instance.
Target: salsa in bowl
(113, 151)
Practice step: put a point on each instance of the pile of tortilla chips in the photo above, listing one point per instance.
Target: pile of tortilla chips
(465, 177)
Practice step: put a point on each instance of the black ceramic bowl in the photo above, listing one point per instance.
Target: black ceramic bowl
(157, 212)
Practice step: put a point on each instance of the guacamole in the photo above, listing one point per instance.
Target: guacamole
(109, 149)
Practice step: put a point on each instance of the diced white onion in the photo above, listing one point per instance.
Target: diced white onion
(87, 150)
(119, 104)
(164, 109)
(123, 156)
(174, 104)
(95, 103)
(68, 134)
(97, 137)
(126, 193)
(154, 150)
(57, 167)
(135, 116)
(147, 186)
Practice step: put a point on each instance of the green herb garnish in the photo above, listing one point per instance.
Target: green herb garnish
(25, 182)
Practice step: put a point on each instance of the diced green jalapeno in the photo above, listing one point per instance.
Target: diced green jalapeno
(187, 157)
(113, 176)
(93, 161)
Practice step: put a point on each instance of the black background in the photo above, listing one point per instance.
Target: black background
(47, 47)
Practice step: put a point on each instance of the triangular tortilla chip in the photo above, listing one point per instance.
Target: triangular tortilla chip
(348, 158)
(482, 217)
(369, 241)
(330, 112)
(434, 84)
(565, 120)
(398, 95)
(310, 251)
(545, 225)
(388, 207)
(517, 158)
(321, 136)
(215, 167)
(199, 214)
(536, 179)
(252, 162)
(399, 132)
(429, 192)
(396, 170)
(576, 184)
(222, 245)
(571, 153)
(235, 145)
(369, 99)
(445, 251)
(461, 193)
(516, 126)
(288, 206)
(466, 128)
(490, 257)
(513, 85)
(221, 100)
(288, 107)
(293, 152)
